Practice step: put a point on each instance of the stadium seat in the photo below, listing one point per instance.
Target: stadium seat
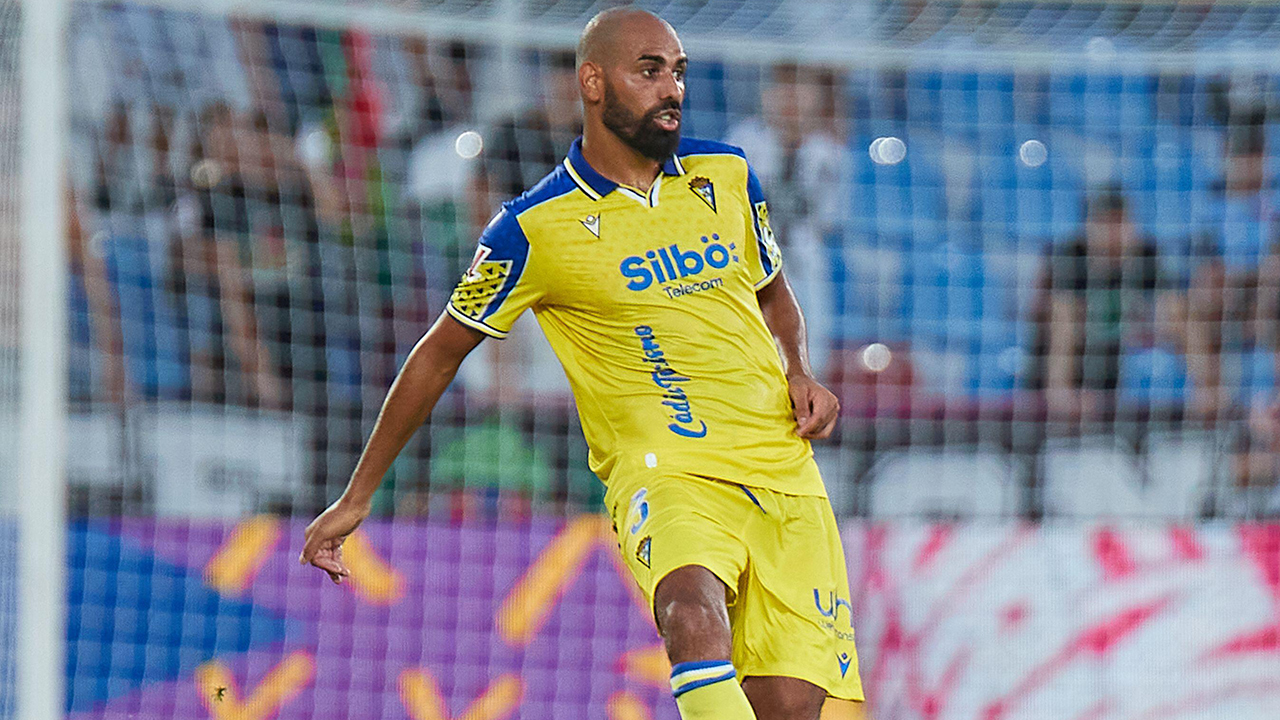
(952, 482)
(1101, 477)
(244, 460)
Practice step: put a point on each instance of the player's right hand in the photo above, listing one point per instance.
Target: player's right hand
(322, 546)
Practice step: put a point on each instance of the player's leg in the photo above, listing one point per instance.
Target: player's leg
(792, 618)
(681, 538)
(693, 619)
(784, 698)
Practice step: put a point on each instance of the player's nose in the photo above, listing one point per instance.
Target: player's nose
(671, 89)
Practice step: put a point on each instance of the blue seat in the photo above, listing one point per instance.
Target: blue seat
(148, 327)
(1152, 376)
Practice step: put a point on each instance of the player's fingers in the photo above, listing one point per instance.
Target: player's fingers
(331, 562)
(800, 405)
(829, 409)
(825, 411)
(812, 419)
(334, 569)
(310, 546)
(824, 432)
(810, 426)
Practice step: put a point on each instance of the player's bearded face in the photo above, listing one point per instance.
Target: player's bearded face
(641, 130)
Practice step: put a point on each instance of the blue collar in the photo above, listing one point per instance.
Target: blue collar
(599, 184)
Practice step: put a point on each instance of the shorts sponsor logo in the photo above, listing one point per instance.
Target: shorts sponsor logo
(832, 604)
(674, 397)
(829, 605)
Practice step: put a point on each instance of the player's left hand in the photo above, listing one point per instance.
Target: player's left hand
(815, 407)
(325, 535)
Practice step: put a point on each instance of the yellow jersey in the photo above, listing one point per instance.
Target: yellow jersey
(649, 302)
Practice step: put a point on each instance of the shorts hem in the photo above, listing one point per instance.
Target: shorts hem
(833, 690)
(658, 577)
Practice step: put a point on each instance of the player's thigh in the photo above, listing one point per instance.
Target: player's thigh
(689, 605)
(668, 523)
(784, 698)
(794, 618)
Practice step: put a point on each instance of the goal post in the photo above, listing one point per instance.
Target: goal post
(41, 486)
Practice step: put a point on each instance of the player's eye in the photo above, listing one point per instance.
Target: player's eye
(648, 72)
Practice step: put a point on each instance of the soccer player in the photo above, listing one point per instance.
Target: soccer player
(651, 267)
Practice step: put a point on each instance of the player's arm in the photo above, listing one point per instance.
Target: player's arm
(422, 379)
(492, 293)
(815, 407)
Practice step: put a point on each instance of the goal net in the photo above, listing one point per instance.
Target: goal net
(1035, 246)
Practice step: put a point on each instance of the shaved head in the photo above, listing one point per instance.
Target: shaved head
(631, 69)
(604, 36)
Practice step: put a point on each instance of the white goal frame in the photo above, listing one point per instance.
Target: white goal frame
(41, 491)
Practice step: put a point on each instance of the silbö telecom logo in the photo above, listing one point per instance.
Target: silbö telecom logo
(669, 264)
(668, 380)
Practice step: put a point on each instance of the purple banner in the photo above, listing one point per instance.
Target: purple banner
(500, 621)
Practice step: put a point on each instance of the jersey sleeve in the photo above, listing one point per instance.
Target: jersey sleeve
(498, 286)
(764, 261)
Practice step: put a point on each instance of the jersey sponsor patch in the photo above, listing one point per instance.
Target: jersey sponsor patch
(766, 235)
(480, 285)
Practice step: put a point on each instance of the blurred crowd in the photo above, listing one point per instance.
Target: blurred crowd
(274, 230)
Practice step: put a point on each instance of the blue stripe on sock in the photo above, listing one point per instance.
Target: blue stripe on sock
(698, 665)
(703, 683)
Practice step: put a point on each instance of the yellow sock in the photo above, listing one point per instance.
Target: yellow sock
(709, 690)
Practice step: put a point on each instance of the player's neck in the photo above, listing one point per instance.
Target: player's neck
(617, 161)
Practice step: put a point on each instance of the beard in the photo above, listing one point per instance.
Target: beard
(640, 132)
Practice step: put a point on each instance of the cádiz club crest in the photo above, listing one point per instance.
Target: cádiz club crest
(705, 191)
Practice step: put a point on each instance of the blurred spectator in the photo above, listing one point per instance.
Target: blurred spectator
(209, 277)
(1097, 293)
(1255, 464)
(441, 167)
(1234, 294)
(118, 187)
(441, 90)
(797, 147)
(518, 151)
(280, 256)
(161, 186)
(87, 265)
(111, 209)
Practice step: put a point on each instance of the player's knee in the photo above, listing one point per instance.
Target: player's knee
(694, 629)
(689, 605)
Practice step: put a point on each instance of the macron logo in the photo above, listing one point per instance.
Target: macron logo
(592, 224)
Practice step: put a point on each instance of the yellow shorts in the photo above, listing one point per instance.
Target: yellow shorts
(779, 555)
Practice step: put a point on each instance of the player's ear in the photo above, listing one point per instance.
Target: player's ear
(591, 82)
